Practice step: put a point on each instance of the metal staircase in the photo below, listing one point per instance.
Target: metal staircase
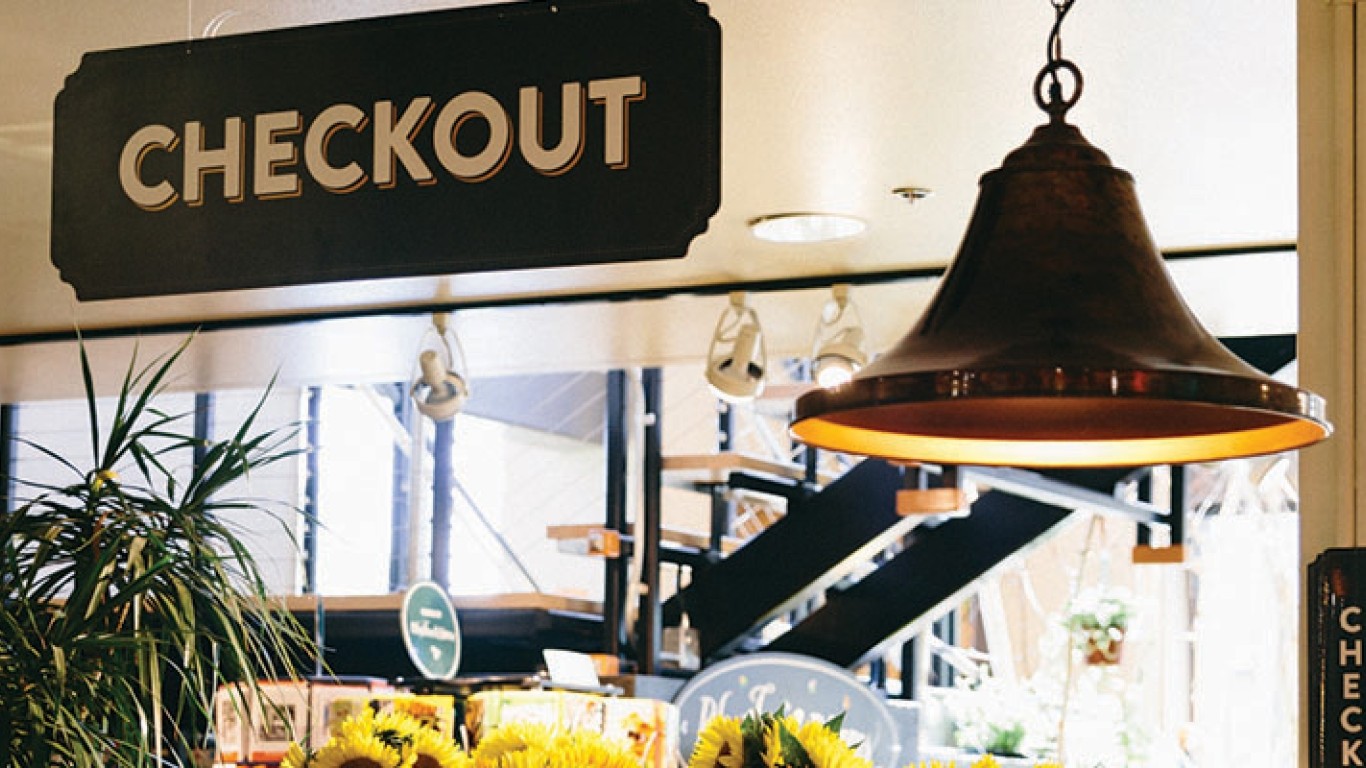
(859, 577)
(820, 541)
(936, 570)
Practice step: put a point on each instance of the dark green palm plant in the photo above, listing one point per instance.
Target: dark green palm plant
(126, 597)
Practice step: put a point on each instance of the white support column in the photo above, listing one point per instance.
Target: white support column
(1331, 124)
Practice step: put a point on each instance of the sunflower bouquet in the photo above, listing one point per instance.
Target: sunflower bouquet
(773, 740)
(532, 745)
(396, 740)
(777, 740)
(985, 761)
(380, 740)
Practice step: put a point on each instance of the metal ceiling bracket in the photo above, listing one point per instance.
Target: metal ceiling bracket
(1032, 485)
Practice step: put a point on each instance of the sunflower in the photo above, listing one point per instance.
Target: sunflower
(510, 738)
(720, 745)
(359, 750)
(827, 749)
(397, 722)
(533, 757)
(987, 761)
(432, 750)
(360, 724)
(773, 743)
(587, 749)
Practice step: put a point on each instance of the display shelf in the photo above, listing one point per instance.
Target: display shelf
(715, 468)
(591, 539)
(502, 633)
(527, 601)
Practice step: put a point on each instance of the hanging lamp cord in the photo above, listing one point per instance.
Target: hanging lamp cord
(1054, 102)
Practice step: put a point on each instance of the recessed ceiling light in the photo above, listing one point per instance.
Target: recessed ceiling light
(805, 227)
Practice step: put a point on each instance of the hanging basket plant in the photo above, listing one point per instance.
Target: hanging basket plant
(1098, 625)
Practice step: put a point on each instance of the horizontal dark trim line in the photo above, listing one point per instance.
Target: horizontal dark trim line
(806, 282)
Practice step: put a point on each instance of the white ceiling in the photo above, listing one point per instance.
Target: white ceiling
(826, 106)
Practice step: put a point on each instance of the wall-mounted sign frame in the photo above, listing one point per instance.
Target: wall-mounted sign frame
(496, 137)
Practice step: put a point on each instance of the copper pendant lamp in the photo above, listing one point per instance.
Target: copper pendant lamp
(1057, 337)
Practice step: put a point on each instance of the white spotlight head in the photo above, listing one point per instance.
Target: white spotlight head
(439, 393)
(737, 357)
(839, 358)
(839, 348)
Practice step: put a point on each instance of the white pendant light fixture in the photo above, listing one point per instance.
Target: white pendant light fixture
(839, 348)
(440, 390)
(737, 357)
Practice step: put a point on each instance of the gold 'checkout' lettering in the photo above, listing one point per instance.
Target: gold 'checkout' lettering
(1350, 661)
(394, 137)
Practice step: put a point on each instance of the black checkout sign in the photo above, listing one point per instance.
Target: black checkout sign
(1337, 658)
(498, 137)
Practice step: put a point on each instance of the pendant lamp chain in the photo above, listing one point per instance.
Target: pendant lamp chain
(1053, 103)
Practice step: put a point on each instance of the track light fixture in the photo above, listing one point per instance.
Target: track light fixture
(737, 357)
(439, 391)
(1057, 338)
(839, 348)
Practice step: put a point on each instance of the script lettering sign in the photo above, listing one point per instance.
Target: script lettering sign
(431, 631)
(807, 688)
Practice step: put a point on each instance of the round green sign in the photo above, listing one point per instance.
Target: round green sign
(430, 631)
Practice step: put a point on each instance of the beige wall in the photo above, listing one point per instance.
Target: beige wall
(1329, 34)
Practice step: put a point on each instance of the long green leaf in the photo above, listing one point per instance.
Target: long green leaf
(126, 603)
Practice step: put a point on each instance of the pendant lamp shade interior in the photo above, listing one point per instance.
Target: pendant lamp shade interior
(1058, 339)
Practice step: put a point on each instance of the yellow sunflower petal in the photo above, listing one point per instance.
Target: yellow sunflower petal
(295, 757)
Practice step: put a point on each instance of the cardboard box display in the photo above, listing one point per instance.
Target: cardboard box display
(251, 728)
(650, 728)
(279, 717)
(322, 720)
(436, 712)
(486, 710)
(231, 717)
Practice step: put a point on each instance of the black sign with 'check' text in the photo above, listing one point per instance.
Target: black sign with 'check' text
(1337, 658)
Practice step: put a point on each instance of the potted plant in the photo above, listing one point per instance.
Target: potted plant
(1098, 622)
(994, 716)
(126, 595)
